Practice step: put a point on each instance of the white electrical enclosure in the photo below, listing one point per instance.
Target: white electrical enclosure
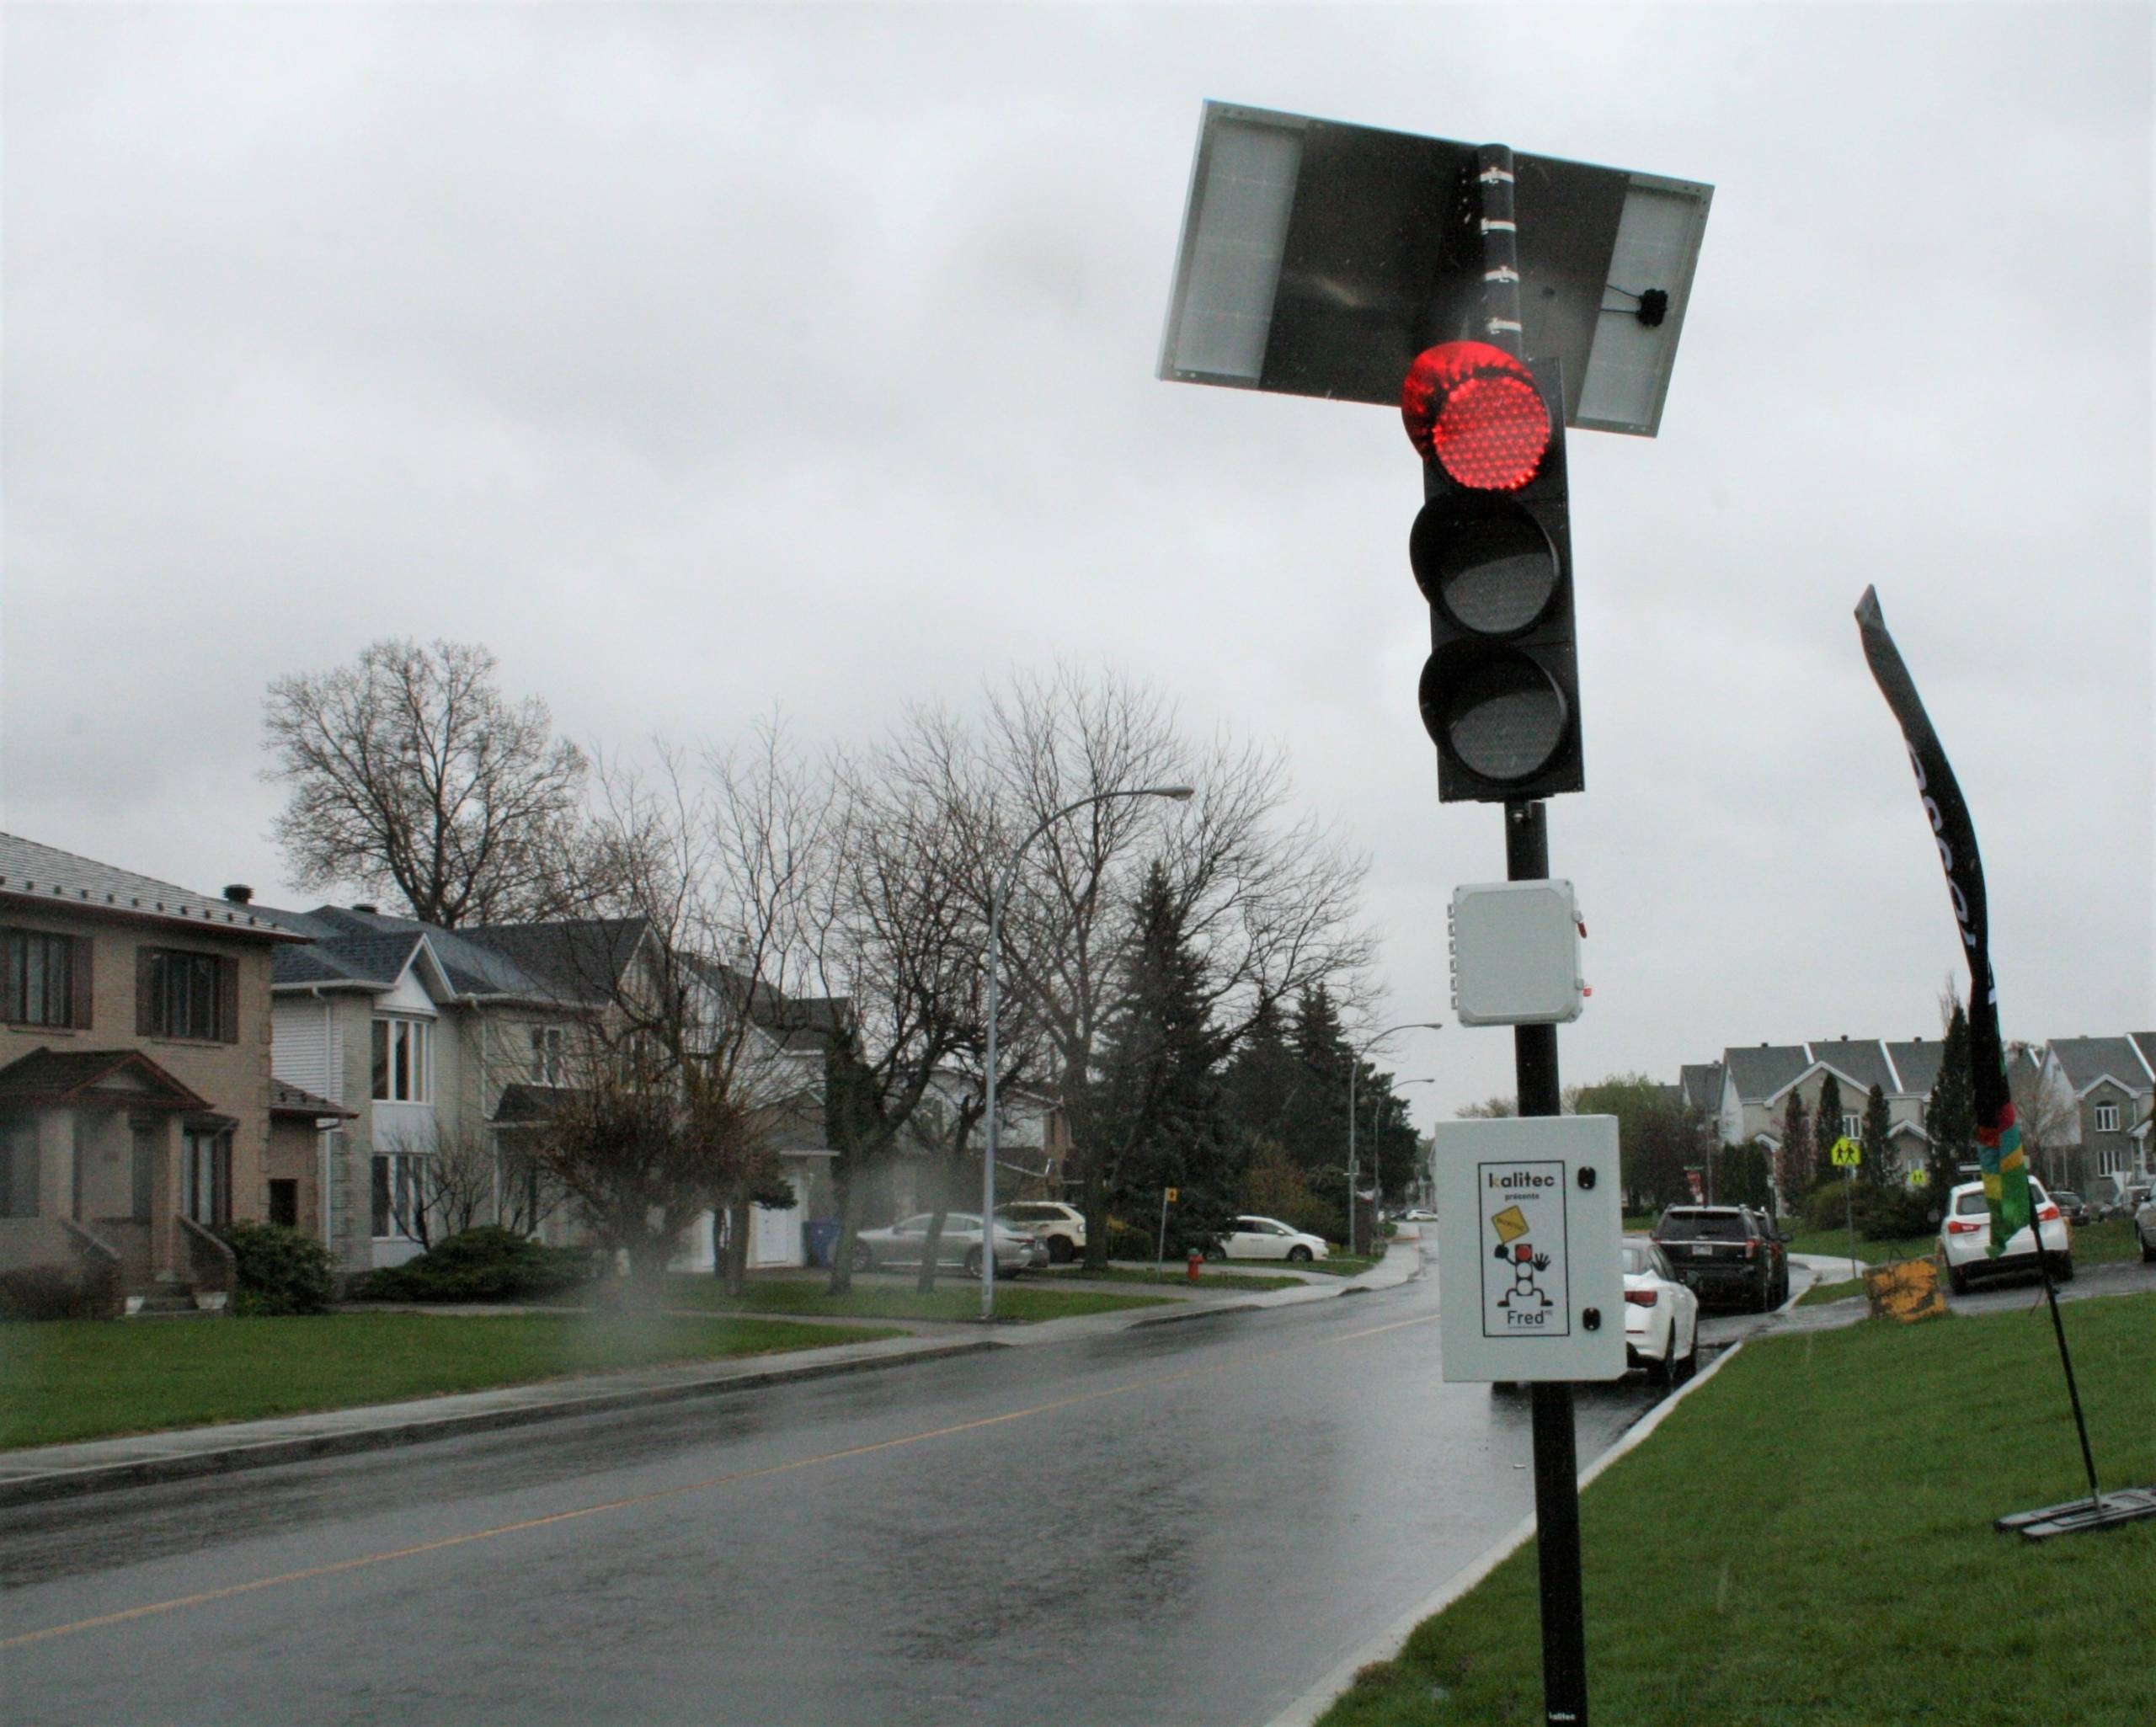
(1516, 954)
(1530, 1260)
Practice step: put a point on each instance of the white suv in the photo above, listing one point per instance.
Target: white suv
(1060, 1227)
(1965, 1237)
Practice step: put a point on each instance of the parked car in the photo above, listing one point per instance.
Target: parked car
(1965, 1238)
(1727, 1252)
(1661, 1316)
(1269, 1239)
(1418, 1214)
(2144, 1226)
(904, 1242)
(1060, 1227)
(2073, 1206)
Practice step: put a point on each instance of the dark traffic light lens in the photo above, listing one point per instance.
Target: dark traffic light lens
(1498, 715)
(1494, 570)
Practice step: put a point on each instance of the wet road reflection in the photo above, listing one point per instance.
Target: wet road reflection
(1188, 1523)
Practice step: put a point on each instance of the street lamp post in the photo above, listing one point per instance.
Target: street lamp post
(1377, 1144)
(1002, 892)
(1354, 1073)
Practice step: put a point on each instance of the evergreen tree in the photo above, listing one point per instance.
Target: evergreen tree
(1951, 1116)
(1158, 1101)
(1262, 1081)
(1316, 1126)
(1793, 1168)
(1826, 1129)
(1878, 1126)
(1742, 1176)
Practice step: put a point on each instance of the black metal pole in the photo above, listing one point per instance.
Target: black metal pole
(1556, 1455)
(2065, 1359)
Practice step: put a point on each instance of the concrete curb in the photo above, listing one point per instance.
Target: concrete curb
(1387, 1644)
(337, 1438)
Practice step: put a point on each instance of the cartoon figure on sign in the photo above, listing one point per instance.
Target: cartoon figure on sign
(1513, 1249)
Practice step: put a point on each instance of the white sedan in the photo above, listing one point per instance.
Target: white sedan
(1662, 1317)
(1269, 1239)
(906, 1243)
(1965, 1238)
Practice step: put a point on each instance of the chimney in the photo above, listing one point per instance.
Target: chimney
(370, 910)
(238, 893)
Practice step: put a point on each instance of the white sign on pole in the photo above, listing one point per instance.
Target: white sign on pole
(1530, 1266)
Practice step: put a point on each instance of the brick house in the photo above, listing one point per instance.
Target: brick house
(135, 1093)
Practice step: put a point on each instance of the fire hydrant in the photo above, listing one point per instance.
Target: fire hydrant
(1197, 1258)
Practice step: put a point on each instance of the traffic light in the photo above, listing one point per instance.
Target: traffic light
(1492, 553)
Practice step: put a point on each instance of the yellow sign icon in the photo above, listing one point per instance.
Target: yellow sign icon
(1510, 1223)
(1845, 1153)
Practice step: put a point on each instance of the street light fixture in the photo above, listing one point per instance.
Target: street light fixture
(1180, 794)
(1354, 1073)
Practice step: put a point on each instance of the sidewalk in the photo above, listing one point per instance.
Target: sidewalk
(99, 1466)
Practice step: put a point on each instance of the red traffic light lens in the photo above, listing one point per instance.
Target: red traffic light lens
(1475, 409)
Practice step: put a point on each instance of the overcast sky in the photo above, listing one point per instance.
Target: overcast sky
(703, 361)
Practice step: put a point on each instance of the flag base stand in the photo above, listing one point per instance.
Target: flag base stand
(2105, 1511)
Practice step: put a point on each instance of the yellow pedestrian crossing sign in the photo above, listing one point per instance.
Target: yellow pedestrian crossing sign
(1845, 1153)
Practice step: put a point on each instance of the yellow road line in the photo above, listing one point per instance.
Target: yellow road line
(205, 1597)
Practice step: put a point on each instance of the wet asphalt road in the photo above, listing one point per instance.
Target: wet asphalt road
(1188, 1523)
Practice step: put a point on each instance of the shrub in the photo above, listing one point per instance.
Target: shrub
(1880, 1213)
(1127, 1241)
(486, 1264)
(281, 1270)
(45, 1292)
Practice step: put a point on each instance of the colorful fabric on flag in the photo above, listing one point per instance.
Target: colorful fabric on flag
(2005, 1166)
(1999, 1154)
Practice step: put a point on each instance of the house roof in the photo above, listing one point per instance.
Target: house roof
(1700, 1083)
(1917, 1062)
(576, 959)
(44, 876)
(521, 1105)
(2086, 1061)
(369, 949)
(1859, 1060)
(118, 1076)
(289, 1100)
(1759, 1073)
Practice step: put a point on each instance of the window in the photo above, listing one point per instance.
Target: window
(207, 1165)
(401, 1052)
(2110, 1163)
(46, 977)
(549, 1055)
(1852, 1126)
(399, 1193)
(2107, 1118)
(182, 994)
(285, 1203)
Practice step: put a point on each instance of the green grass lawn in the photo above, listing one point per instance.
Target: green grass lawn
(1212, 1277)
(1821, 1293)
(89, 1379)
(877, 1297)
(1808, 1541)
(1872, 1252)
(2094, 1245)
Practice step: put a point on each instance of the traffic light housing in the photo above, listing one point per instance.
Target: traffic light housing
(1492, 551)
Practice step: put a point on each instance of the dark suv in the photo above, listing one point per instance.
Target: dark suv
(1726, 1253)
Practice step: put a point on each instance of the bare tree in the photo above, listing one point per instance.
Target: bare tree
(2050, 1122)
(460, 1179)
(1270, 903)
(680, 1078)
(410, 771)
(901, 942)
